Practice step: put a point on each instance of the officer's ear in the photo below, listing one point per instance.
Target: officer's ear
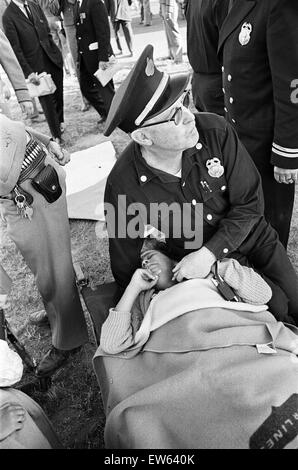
(141, 137)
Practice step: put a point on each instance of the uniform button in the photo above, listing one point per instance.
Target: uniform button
(225, 109)
(79, 38)
(231, 100)
(209, 217)
(81, 52)
(143, 178)
(193, 202)
(229, 77)
(183, 184)
(199, 146)
(223, 188)
(233, 121)
(222, 69)
(225, 250)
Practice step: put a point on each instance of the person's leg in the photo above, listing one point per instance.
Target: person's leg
(174, 35)
(49, 108)
(100, 97)
(279, 203)
(44, 243)
(57, 76)
(147, 13)
(116, 26)
(70, 32)
(128, 34)
(268, 256)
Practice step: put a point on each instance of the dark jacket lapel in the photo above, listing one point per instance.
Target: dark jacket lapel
(238, 12)
(18, 12)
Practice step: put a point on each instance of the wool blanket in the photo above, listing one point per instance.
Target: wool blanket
(212, 378)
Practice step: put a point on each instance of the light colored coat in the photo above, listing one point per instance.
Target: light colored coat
(12, 68)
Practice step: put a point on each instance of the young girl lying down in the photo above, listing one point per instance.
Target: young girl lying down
(119, 330)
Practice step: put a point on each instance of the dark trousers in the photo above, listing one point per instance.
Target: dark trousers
(127, 31)
(279, 202)
(279, 197)
(52, 105)
(98, 96)
(267, 255)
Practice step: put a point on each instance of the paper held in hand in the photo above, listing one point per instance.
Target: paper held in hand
(104, 76)
(46, 86)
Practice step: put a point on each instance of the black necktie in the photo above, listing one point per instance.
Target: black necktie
(27, 8)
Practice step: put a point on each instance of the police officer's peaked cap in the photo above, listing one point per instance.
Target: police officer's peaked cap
(145, 93)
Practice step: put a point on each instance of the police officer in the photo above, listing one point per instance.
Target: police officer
(94, 50)
(258, 46)
(195, 162)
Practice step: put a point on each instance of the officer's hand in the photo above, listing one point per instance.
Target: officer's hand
(60, 155)
(5, 90)
(33, 78)
(103, 65)
(195, 265)
(27, 108)
(285, 176)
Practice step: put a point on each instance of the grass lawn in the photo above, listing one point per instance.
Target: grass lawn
(73, 403)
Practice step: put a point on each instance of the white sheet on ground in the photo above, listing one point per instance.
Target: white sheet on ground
(86, 176)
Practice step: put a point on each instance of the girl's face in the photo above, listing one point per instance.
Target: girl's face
(160, 265)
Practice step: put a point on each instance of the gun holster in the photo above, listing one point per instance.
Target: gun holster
(46, 182)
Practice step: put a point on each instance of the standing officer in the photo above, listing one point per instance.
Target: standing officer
(27, 29)
(197, 168)
(258, 44)
(204, 19)
(93, 36)
(33, 209)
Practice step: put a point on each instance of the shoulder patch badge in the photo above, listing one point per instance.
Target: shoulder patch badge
(244, 35)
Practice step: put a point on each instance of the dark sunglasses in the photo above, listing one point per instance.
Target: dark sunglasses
(178, 112)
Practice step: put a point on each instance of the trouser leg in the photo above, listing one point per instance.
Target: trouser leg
(279, 202)
(128, 34)
(57, 76)
(266, 254)
(116, 26)
(49, 108)
(44, 243)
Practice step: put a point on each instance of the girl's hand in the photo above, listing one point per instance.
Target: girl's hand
(143, 279)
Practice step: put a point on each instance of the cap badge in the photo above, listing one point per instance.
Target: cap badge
(215, 168)
(244, 35)
(149, 70)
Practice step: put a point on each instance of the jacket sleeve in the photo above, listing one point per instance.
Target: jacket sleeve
(282, 41)
(13, 70)
(101, 26)
(245, 196)
(12, 36)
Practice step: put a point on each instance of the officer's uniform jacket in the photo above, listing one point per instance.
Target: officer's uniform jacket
(30, 41)
(258, 44)
(13, 70)
(232, 198)
(93, 33)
